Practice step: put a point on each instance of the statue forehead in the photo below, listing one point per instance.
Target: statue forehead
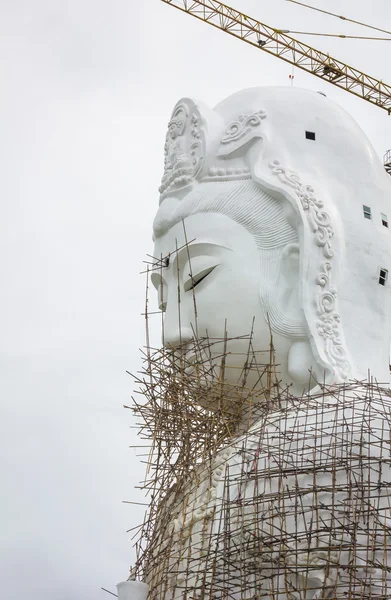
(244, 201)
(213, 229)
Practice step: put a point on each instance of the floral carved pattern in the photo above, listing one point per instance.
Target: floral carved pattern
(328, 321)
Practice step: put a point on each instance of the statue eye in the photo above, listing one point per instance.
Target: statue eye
(194, 280)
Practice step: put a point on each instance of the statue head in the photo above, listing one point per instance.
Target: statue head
(263, 231)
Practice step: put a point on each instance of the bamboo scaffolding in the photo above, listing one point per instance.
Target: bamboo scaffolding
(254, 493)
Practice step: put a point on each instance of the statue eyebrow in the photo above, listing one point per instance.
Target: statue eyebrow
(165, 262)
(188, 249)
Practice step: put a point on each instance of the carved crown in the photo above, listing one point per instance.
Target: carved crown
(201, 146)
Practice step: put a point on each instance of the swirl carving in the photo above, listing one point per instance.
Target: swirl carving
(328, 323)
(240, 128)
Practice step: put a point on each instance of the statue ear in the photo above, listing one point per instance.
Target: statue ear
(288, 284)
(301, 362)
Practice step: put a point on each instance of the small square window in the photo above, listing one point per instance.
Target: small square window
(310, 135)
(384, 220)
(383, 276)
(367, 212)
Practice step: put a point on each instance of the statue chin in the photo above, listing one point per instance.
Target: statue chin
(220, 376)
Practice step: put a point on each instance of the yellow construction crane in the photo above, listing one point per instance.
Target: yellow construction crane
(276, 42)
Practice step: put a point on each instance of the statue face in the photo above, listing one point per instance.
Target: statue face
(214, 268)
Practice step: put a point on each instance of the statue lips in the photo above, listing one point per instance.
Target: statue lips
(184, 358)
(192, 359)
(195, 362)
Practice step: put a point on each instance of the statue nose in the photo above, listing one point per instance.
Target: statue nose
(177, 330)
(178, 320)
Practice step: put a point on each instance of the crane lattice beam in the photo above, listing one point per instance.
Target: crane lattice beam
(275, 42)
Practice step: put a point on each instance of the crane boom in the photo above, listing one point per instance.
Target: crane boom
(276, 42)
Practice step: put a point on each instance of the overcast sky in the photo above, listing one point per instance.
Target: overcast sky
(87, 87)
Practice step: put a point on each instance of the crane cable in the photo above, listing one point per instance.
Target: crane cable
(337, 35)
(341, 17)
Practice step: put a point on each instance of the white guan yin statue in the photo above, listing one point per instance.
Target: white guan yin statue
(273, 223)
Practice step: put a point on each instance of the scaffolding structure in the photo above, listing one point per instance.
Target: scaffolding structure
(255, 493)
